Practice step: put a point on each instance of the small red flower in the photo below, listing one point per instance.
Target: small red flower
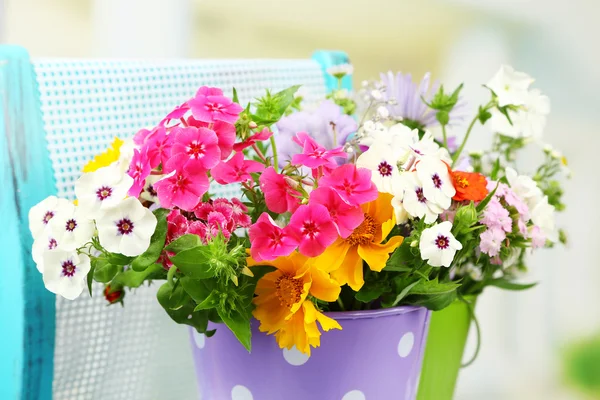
(469, 186)
(113, 296)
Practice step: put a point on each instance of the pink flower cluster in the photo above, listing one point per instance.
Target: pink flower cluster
(499, 222)
(206, 221)
(332, 210)
(196, 137)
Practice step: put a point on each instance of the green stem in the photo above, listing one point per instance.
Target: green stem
(341, 304)
(477, 329)
(471, 125)
(334, 136)
(274, 147)
(445, 136)
(170, 276)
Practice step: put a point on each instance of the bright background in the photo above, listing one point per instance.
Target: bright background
(524, 334)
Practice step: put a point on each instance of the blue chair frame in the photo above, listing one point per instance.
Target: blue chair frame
(27, 309)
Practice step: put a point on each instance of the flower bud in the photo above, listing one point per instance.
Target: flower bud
(113, 295)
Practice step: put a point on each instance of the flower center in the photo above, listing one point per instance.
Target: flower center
(288, 290)
(384, 169)
(214, 107)
(104, 193)
(420, 196)
(196, 150)
(364, 233)
(68, 268)
(462, 182)
(310, 229)
(442, 242)
(47, 217)
(71, 225)
(125, 226)
(52, 244)
(437, 181)
(151, 191)
(348, 187)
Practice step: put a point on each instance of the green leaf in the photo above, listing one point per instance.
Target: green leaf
(372, 291)
(157, 242)
(495, 170)
(119, 259)
(235, 96)
(400, 258)
(481, 206)
(184, 242)
(508, 285)
(432, 294)
(90, 278)
(172, 298)
(271, 107)
(443, 117)
(403, 293)
(212, 301)
(199, 290)
(484, 115)
(192, 262)
(239, 325)
(104, 271)
(133, 279)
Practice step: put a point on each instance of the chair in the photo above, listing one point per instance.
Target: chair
(55, 115)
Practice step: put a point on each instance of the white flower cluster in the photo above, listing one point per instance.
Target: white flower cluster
(61, 229)
(340, 70)
(531, 107)
(415, 171)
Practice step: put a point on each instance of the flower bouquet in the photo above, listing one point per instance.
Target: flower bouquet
(343, 226)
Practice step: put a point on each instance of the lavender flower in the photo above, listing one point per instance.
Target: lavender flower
(320, 124)
(407, 101)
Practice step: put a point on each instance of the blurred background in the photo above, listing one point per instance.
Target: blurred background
(526, 336)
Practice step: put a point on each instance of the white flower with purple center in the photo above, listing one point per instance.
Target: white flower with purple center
(382, 162)
(71, 227)
(149, 192)
(127, 228)
(438, 246)
(101, 190)
(437, 182)
(65, 272)
(510, 86)
(410, 196)
(41, 214)
(43, 243)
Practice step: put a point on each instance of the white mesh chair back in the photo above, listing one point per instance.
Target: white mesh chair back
(96, 351)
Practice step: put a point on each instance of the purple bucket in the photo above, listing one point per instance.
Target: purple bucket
(377, 356)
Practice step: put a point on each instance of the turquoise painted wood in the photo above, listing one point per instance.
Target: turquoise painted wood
(328, 59)
(27, 309)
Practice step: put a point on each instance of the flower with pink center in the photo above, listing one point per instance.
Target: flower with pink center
(314, 229)
(72, 228)
(194, 146)
(265, 134)
(158, 147)
(65, 272)
(268, 241)
(225, 134)
(352, 184)
(209, 105)
(101, 190)
(346, 217)
(313, 154)
(491, 241)
(183, 188)
(438, 245)
(41, 214)
(139, 169)
(127, 228)
(279, 195)
(236, 169)
(496, 216)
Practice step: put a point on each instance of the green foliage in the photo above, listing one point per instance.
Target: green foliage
(104, 271)
(132, 279)
(157, 242)
(184, 242)
(271, 107)
(483, 115)
(433, 294)
(444, 103)
(508, 285)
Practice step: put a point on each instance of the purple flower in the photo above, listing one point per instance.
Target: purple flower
(319, 124)
(408, 100)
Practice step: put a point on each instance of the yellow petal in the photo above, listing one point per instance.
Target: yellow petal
(381, 209)
(333, 256)
(351, 270)
(376, 255)
(323, 287)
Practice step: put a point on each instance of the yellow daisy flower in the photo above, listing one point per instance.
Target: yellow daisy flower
(283, 306)
(105, 159)
(344, 258)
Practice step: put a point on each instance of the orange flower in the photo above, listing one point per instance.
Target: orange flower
(469, 186)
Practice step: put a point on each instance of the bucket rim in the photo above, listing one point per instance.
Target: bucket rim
(369, 314)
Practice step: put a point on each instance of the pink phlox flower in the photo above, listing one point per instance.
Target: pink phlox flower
(346, 217)
(195, 145)
(313, 154)
(268, 241)
(177, 113)
(279, 195)
(183, 187)
(352, 184)
(236, 169)
(265, 134)
(491, 241)
(314, 229)
(225, 134)
(139, 169)
(496, 216)
(158, 146)
(140, 137)
(538, 239)
(209, 105)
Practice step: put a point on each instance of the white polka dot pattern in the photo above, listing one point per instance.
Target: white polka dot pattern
(354, 395)
(405, 345)
(240, 392)
(295, 357)
(135, 352)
